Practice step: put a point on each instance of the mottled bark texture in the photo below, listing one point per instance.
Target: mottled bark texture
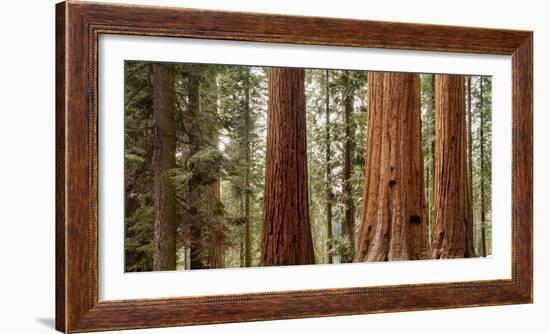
(164, 159)
(287, 233)
(393, 218)
(452, 231)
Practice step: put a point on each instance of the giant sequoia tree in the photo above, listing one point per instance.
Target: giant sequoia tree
(229, 166)
(287, 232)
(393, 219)
(164, 160)
(452, 231)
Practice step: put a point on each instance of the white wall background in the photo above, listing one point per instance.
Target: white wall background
(27, 148)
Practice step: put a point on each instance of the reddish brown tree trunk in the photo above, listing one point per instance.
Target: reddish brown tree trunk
(393, 218)
(348, 225)
(164, 159)
(452, 232)
(287, 233)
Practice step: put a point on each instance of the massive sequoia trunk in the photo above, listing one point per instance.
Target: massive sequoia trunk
(287, 233)
(164, 159)
(348, 225)
(452, 232)
(393, 218)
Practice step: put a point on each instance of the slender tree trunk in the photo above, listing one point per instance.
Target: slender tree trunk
(195, 229)
(287, 233)
(452, 234)
(241, 242)
(247, 189)
(348, 225)
(164, 159)
(470, 153)
(393, 219)
(482, 172)
(328, 171)
(216, 248)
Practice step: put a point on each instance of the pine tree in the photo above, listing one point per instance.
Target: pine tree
(164, 161)
(139, 206)
(329, 197)
(348, 224)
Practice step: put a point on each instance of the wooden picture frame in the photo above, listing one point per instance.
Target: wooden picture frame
(78, 26)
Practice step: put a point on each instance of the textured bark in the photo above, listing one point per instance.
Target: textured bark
(215, 258)
(328, 171)
(164, 159)
(393, 219)
(452, 233)
(287, 233)
(247, 189)
(348, 224)
(482, 167)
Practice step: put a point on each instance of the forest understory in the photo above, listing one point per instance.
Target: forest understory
(240, 166)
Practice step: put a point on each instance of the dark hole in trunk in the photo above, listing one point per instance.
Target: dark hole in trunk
(414, 220)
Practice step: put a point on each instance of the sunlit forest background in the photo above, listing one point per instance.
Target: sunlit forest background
(220, 144)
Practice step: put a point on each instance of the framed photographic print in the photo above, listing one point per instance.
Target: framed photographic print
(223, 166)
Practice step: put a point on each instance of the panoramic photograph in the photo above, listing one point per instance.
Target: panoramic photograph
(230, 166)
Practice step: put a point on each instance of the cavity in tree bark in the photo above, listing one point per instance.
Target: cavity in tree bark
(452, 232)
(393, 218)
(287, 233)
(164, 159)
